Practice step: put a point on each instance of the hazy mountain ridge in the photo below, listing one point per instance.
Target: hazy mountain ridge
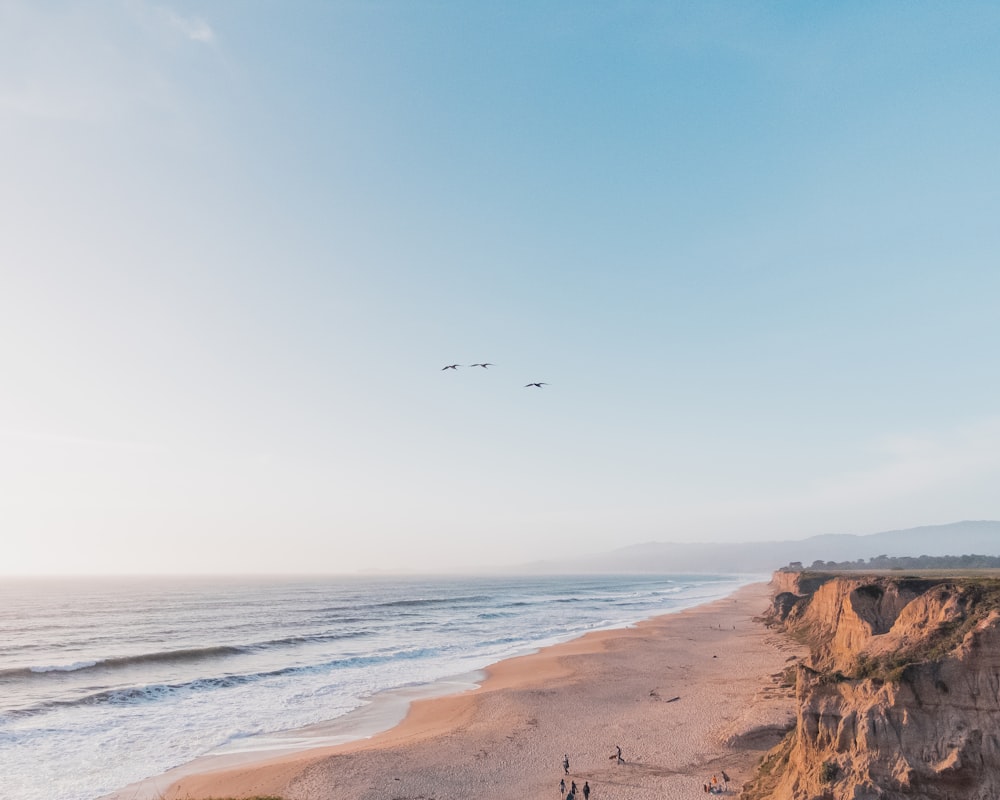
(981, 537)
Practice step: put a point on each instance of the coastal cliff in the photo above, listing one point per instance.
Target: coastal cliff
(900, 695)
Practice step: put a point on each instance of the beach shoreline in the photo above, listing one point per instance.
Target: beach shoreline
(686, 695)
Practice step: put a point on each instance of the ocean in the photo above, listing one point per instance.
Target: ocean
(104, 682)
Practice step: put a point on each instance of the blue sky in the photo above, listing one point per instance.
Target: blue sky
(751, 247)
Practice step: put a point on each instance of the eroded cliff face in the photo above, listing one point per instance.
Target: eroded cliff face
(900, 696)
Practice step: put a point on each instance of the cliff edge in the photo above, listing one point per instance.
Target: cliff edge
(900, 695)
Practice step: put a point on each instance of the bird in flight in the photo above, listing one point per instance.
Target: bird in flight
(451, 366)
(484, 365)
(539, 384)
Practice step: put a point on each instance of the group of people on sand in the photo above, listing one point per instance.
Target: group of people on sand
(616, 756)
(715, 786)
(573, 790)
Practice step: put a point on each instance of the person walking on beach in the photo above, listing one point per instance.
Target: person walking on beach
(619, 749)
(572, 788)
(566, 764)
(586, 790)
(562, 787)
(725, 780)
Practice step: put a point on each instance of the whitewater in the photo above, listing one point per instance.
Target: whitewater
(104, 682)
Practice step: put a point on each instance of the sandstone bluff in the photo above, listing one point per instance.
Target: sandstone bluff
(900, 695)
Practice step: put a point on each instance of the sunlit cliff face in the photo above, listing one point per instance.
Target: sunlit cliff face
(901, 694)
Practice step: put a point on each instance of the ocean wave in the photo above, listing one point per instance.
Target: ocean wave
(41, 671)
(119, 662)
(63, 667)
(433, 601)
(137, 695)
(177, 656)
(308, 638)
(326, 617)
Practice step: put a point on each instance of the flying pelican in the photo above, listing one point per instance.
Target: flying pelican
(484, 365)
(539, 384)
(451, 366)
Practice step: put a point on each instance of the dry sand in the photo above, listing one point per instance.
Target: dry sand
(685, 695)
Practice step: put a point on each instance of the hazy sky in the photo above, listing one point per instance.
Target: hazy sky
(751, 247)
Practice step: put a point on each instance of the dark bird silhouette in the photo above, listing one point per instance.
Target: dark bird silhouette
(451, 366)
(484, 365)
(539, 384)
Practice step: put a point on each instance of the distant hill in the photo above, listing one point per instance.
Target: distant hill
(957, 538)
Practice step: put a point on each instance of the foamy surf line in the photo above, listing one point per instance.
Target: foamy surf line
(380, 713)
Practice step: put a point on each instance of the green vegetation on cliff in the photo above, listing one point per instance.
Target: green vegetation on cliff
(885, 562)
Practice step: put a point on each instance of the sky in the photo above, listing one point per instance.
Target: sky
(750, 248)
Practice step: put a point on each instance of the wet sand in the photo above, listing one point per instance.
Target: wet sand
(685, 695)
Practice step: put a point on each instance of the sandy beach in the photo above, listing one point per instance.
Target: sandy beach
(686, 696)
